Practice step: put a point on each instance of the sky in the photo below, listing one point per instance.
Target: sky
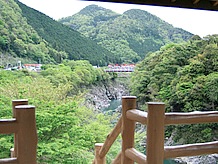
(198, 22)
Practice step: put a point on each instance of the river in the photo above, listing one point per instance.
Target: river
(114, 104)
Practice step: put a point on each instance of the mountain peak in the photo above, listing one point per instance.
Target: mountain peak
(135, 11)
(93, 9)
(130, 35)
(140, 15)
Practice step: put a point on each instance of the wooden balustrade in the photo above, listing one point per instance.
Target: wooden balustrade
(128, 128)
(155, 119)
(117, 160)
(110, 139)
(23, 125)
(191, 118)
(136, 156)
(191, 149)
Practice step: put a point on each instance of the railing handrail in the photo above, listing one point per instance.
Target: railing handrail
(190, 149)
(111, 138)
(191, 117)
(8, 160)
(156, 151)
(8, 126)
(174, 118)
(23, 125)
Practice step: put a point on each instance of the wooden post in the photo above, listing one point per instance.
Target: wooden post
(155, 133)
(16, 103)
(27, 135)
(12, 153)
(98, 159)
(128, 128)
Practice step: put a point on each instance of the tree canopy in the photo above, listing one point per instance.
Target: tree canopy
(32, 37)
(130, 35)
(67, 130)
(184, 76)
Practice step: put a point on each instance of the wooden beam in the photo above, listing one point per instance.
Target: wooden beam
(201, 5)
(8, 126)
(128, 127)
(110, 139)
(190, 150)
(117, 160)
(8, 161)
(136, 156)
(195, 1)
(191, 118)
(14, 104)
(215, 3)
(27, 134)
(137, 115)
(98, 159)
(155, 133)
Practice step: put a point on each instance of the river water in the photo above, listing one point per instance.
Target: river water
(114, 104)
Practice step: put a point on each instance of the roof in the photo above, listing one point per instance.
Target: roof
(191, 4)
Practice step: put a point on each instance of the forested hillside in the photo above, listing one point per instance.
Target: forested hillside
(130, 35)
(65, 39)
(19, 40)
(185, 77)
(30, 36)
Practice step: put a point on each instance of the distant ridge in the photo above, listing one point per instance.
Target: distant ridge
(130, 35)
(65, 39)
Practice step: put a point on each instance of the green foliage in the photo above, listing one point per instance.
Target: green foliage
(18, 39)
(64, 39)
(8, 144)
(67, 130)
(26, 34)
(75, 75)
(185, 77)
(198, 133)
(130, 36)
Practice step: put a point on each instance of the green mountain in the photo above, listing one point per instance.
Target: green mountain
(184, 77)
(28, 35)
(130, 35)
(18, 39)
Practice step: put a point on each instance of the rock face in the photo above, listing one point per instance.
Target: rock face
(99, 96)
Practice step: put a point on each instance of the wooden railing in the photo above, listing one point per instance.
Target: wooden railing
(155, 119)
(23, 125)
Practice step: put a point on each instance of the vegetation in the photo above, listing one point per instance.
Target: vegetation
(66, 39)
(19, 40)
(185, 77)
(130, 36)
(67, 130)
(30, 36)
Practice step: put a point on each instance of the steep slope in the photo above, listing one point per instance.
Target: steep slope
(28, 35)
(130, 35)
(18, 39)
(65, 39)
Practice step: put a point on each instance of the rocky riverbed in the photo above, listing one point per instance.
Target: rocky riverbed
(100, 96)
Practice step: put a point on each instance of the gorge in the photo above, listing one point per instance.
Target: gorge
(107, 98)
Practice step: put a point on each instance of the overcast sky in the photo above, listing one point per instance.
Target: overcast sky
(197, 22)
